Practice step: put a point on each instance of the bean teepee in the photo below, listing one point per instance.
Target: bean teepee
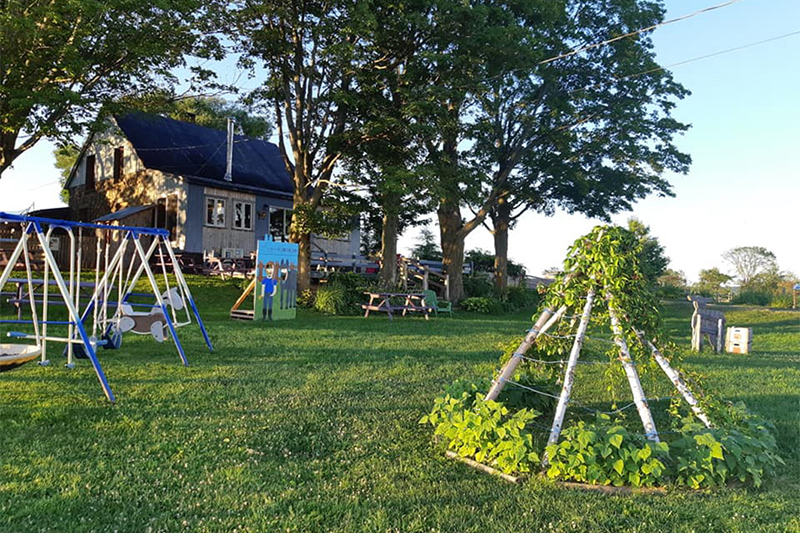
(602, 278)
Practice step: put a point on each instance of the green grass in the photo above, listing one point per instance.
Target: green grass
(311, 425)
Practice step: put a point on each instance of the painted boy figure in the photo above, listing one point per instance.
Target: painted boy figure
(269, 287)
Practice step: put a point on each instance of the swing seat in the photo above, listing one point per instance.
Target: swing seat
(143, 322)
(14, 355)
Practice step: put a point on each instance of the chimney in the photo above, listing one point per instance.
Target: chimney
(229, 167)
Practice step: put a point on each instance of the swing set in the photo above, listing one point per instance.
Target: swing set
(120, 261)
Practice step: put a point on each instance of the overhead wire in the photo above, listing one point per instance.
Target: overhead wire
(642, 30)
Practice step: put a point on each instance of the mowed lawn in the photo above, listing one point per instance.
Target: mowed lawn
(312, 425)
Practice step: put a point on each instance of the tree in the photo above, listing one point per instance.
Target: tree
(61, 62)
(65, 156)
(313, 54)
(426, 247)
(711, 283)
(652, 261)
(512, 129)
(749, 261)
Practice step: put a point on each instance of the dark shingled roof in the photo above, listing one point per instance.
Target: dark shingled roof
(198, 154)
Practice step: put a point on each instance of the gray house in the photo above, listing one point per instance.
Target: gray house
(148, 170)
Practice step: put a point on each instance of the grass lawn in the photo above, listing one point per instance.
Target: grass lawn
(311, 425)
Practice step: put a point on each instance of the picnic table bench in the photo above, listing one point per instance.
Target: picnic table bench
(382, 301)
(20, 295)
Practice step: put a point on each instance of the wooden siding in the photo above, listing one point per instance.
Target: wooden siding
(216, 239)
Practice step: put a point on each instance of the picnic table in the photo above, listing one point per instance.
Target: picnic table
(382, 301)
(21, 296)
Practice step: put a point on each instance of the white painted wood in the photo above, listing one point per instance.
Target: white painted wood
(630, 371)
(569, 375)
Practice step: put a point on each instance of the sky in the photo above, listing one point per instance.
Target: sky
(743, 188)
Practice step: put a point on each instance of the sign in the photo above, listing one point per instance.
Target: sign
(276, 280)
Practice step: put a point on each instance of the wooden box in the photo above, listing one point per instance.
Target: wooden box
(738, 340)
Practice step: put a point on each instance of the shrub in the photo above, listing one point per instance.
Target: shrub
(484, 430)
(331, 300)
(305, 300)
(783, 301)
(606, 455)
(487, 306)
(520, 297)
(753, 297)
(477, 286)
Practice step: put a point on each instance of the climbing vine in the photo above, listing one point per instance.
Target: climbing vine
(710, 443)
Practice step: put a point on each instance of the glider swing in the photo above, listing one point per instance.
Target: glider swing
(107, 326)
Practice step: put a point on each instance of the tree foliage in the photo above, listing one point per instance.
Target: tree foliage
(652, 260)
(712, 283)
(61, 62)
(749, 261)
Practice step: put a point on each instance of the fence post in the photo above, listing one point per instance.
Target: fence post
(447, 287)
(425, 272)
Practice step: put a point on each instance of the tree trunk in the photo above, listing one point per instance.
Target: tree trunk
(450, 224)
(501, 219)
(303, 241)
(388, 275)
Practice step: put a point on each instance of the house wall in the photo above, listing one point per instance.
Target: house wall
(217, 239)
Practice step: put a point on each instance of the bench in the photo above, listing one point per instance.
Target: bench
(706, 323)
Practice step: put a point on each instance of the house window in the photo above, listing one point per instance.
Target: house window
(90, 164)
(280, 221)
(119, 154)
(215, 212)
(243, 215)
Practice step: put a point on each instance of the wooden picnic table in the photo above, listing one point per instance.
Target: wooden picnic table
(381, 301)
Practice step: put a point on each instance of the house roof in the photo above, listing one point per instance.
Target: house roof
(124, 213)
(199, 153)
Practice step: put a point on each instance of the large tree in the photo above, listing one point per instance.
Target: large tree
(312, 54)
(61, 62)
(588, 133)
(749, 261)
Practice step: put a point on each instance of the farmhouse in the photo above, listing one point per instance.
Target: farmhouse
(149, 170)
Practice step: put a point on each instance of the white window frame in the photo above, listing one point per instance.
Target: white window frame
(216, 204)
(244, 205)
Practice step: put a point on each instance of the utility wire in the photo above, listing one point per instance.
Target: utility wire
(623, 36)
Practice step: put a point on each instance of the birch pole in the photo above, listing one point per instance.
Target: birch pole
(569, 375)
(677, 380)
(630, 371)
(545, 322)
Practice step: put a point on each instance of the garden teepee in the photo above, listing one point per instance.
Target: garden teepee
(602, 280)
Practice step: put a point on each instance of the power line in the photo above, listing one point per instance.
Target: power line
(623, 36)
(713, 54)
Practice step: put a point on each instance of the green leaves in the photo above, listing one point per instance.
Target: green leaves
(484, 430)
(606, 455)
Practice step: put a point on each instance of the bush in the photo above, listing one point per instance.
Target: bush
(753, 297)
(520, 297)
(478, 286)
(342, 294)
(305, 300)
(331, 301)
(487, 306)
(671, 292)
(783, 301)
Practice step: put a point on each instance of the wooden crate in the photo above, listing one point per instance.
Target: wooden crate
(738, 340)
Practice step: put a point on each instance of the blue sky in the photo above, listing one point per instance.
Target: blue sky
(743, 188)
